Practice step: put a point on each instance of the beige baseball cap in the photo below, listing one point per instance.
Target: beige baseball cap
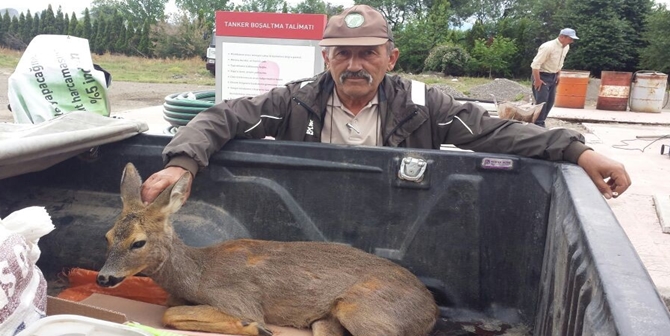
(360, 25)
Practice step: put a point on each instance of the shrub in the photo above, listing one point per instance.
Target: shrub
(447, 58)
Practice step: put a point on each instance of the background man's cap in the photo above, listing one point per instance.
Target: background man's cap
(360, 25)
(569, 32)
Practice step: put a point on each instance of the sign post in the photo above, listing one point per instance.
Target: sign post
(258, 51)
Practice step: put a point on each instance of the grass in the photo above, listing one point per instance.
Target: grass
(192, 71)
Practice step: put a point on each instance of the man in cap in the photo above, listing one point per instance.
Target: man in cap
(356, 102)
(547, 66)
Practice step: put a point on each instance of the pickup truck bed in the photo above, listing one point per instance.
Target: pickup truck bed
(525, 242)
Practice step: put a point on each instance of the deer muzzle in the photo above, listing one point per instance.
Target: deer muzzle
(108, 280)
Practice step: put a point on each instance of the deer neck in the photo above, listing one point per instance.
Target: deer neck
(180, 272)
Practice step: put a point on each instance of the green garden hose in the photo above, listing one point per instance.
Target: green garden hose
(180, 108)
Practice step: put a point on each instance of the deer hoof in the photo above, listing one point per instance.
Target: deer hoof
(262, 330)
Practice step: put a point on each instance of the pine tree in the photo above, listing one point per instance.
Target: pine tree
(48, 21)
(132, 39)
(93, 40)
(87, 29)
(144, 46)
(28, 28)
(59, 22)
(2, 31)
(37, 30)
(101, 40)
(66, 25)
(20, 34)
(6, 23)
(73, 26)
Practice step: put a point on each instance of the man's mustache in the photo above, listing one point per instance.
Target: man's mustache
(358, 74)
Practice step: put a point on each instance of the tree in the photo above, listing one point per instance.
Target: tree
(28, 28)
(103, 36)
(398, 12)
(181, 40)
(36, 26)
(655, 55)
(132, 39)
(104, 8)
(496, 57)
(144, 46)
(140, 11)
(59, 22)
(310, 7)
(635, 12)
(523, 31)
(605, 42)
(66, 25)
(269, 6)
(48, 21)
(204, 8)
(87, 29)
(74, 24)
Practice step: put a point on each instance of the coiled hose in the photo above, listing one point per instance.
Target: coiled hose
(180, 108)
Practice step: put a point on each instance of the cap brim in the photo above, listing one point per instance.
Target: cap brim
(575, 37)
(353, 41)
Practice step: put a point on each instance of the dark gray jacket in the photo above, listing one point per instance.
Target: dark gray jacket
(296, 111)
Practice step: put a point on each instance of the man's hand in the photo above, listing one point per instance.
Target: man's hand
(538, 84)
(160, 180)
(608, 175)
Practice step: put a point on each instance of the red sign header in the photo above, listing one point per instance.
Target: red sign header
(271, 25)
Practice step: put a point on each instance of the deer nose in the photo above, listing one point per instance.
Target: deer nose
(108, 281)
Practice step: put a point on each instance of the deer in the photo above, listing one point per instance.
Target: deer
(240, 286)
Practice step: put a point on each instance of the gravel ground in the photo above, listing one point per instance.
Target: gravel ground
(503, 90)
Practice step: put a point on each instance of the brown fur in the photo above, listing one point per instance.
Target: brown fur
(239, 286)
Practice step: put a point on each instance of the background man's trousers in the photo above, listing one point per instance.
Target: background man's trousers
(546, 94)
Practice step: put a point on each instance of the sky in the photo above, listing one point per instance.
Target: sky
(77, 6)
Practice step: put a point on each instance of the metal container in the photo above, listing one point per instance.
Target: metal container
(614, 90)
(571, 89)
(648, 91)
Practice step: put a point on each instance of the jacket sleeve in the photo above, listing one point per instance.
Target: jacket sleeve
(248, 117)
(469, 126)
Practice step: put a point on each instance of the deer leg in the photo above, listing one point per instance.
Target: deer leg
(327, 327)
(210, 319)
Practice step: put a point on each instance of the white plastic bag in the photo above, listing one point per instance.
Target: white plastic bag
(23, 288)
(56, 75)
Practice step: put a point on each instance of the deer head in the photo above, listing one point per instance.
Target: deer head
(142, 236)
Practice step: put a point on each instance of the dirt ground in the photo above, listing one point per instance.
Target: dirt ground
(124, 96)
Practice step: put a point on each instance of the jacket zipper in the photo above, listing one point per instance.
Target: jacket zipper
(402, 122)
(299, 102)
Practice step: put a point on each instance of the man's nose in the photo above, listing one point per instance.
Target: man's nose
(355, 64)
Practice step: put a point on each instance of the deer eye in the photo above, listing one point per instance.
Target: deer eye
(138, 244)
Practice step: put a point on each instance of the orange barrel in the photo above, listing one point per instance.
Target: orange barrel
(614, 90)
(647, 92)
(571, 89)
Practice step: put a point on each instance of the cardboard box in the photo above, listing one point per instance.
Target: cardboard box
(121, 310)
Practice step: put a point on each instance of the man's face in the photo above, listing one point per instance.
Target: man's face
(565, 40)
(359, 70)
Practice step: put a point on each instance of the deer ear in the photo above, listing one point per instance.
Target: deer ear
(174, 196)
(130, 185)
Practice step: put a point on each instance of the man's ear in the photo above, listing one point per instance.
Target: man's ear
(324, 54)
(393, 58)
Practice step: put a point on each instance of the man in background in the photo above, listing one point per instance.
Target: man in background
(547, 66)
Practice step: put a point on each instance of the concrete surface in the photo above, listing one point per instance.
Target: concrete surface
(635, 210)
